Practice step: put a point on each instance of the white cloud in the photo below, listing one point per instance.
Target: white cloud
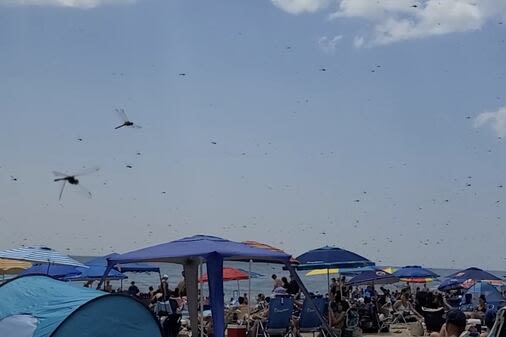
(399, 20)
(327, 44)
(497, 120)
(301, 6)
(65, 3)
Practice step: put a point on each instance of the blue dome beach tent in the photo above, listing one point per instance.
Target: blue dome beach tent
(40, 306)
(192, 252)
(492, 295)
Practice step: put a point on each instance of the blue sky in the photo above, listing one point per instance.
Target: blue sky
(386, 123)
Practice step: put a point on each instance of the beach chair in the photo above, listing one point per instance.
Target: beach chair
(499, 328)
(280, 315)
(309, 322)
(352, 323)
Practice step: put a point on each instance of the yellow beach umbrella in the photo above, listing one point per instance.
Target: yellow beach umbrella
(13, 266)
(317, 272)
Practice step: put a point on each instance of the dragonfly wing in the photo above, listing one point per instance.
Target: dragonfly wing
(83, 191)
(61, 191)
(59, 174)
(122, 114)
(87, 171)
(136, 126)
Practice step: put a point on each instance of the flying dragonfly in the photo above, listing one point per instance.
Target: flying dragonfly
(72, 180)
(126, 122)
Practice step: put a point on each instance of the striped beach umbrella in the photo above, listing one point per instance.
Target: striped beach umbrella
(40, 255)
(415, 274)
(13, 267)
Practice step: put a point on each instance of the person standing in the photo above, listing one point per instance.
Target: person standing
(293, 287)
(182, 285)
(133, 290)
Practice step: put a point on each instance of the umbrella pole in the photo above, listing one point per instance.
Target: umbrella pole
(328, 283)
(249, 295)
(121, 280)
(202, 300)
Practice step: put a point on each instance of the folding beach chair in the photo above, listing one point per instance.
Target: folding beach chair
(280, 315)
(499, 328)
(352, 323)
(309, 320)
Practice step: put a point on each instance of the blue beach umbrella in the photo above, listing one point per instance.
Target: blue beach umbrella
(373, 277)
(71, 273)
(56, 271)
(414, 272)
(331, 257)
(450, 284)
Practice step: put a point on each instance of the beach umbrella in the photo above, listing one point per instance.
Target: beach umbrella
(389, 270)
(9, 267)
(415, 274)
(331, 257)
(417, 279)
(229, 274)
(470, 276)
(72, 273)
(40, 255)
(342, 271)
(56, 271)
(450, 284)
(373, 277)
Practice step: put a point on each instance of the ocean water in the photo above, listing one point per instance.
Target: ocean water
(261, 284)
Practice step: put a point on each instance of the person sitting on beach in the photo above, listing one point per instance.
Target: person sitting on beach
(285, 284)
(293, 287)
(404, 307)
(133, 290)
(481, 308)
(277, 282)
(261, 304)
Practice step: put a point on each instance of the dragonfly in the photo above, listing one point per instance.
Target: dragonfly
(126, 122)
(72, 180)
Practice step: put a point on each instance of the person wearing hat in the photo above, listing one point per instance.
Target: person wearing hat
(165, 287)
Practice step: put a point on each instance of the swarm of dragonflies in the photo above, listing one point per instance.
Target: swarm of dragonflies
(73, 181)
(126, 122)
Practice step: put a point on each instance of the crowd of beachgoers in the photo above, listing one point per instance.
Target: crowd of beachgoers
(347, 309)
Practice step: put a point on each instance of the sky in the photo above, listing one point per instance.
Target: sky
(375, 127)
